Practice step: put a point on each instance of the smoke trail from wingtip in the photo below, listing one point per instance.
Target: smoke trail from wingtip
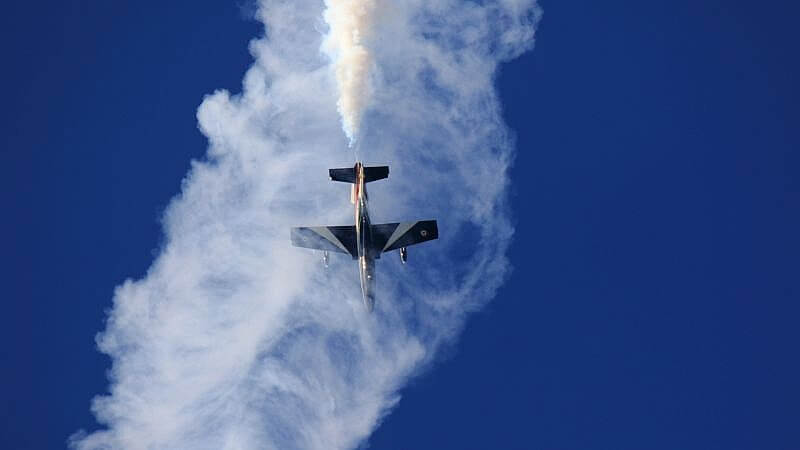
(236, 340)
(350, 23)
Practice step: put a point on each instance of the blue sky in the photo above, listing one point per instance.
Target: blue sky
(654, 294)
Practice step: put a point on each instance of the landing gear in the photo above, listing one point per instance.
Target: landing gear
(325, 258)
(403, 255)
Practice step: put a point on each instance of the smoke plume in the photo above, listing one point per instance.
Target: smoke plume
(236, 340)
(350, 23)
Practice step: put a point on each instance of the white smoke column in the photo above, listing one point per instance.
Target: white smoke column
(236, 340)
(350, 23)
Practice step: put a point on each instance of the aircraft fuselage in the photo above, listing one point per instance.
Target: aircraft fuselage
(366, 252)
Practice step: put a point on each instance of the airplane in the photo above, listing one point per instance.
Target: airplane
(364, 241)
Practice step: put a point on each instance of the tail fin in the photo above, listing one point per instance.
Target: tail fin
(348, 174)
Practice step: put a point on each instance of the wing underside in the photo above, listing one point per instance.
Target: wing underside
(340, 239)
(391, 236)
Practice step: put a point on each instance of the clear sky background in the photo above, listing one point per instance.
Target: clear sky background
(654, 300)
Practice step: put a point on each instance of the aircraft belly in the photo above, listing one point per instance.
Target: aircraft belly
(367, 272)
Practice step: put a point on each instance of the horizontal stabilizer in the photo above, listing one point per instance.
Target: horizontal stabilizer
(348, 174)
(375, 173)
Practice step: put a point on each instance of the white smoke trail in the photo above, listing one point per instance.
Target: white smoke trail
(234, 339)
(350, 23)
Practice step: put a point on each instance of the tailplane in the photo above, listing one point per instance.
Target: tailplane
(348, 174)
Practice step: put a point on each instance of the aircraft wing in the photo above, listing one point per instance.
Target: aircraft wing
(340, 239)
(391, 236)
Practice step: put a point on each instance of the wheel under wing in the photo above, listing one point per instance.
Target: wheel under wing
(340, 239)
(391, 236)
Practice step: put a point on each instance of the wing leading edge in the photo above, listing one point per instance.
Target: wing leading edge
(340, 239)
(391, 236)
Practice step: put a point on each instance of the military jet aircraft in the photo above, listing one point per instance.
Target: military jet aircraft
(364, 241)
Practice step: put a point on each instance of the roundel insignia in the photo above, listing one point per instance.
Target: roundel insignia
(423, 233)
